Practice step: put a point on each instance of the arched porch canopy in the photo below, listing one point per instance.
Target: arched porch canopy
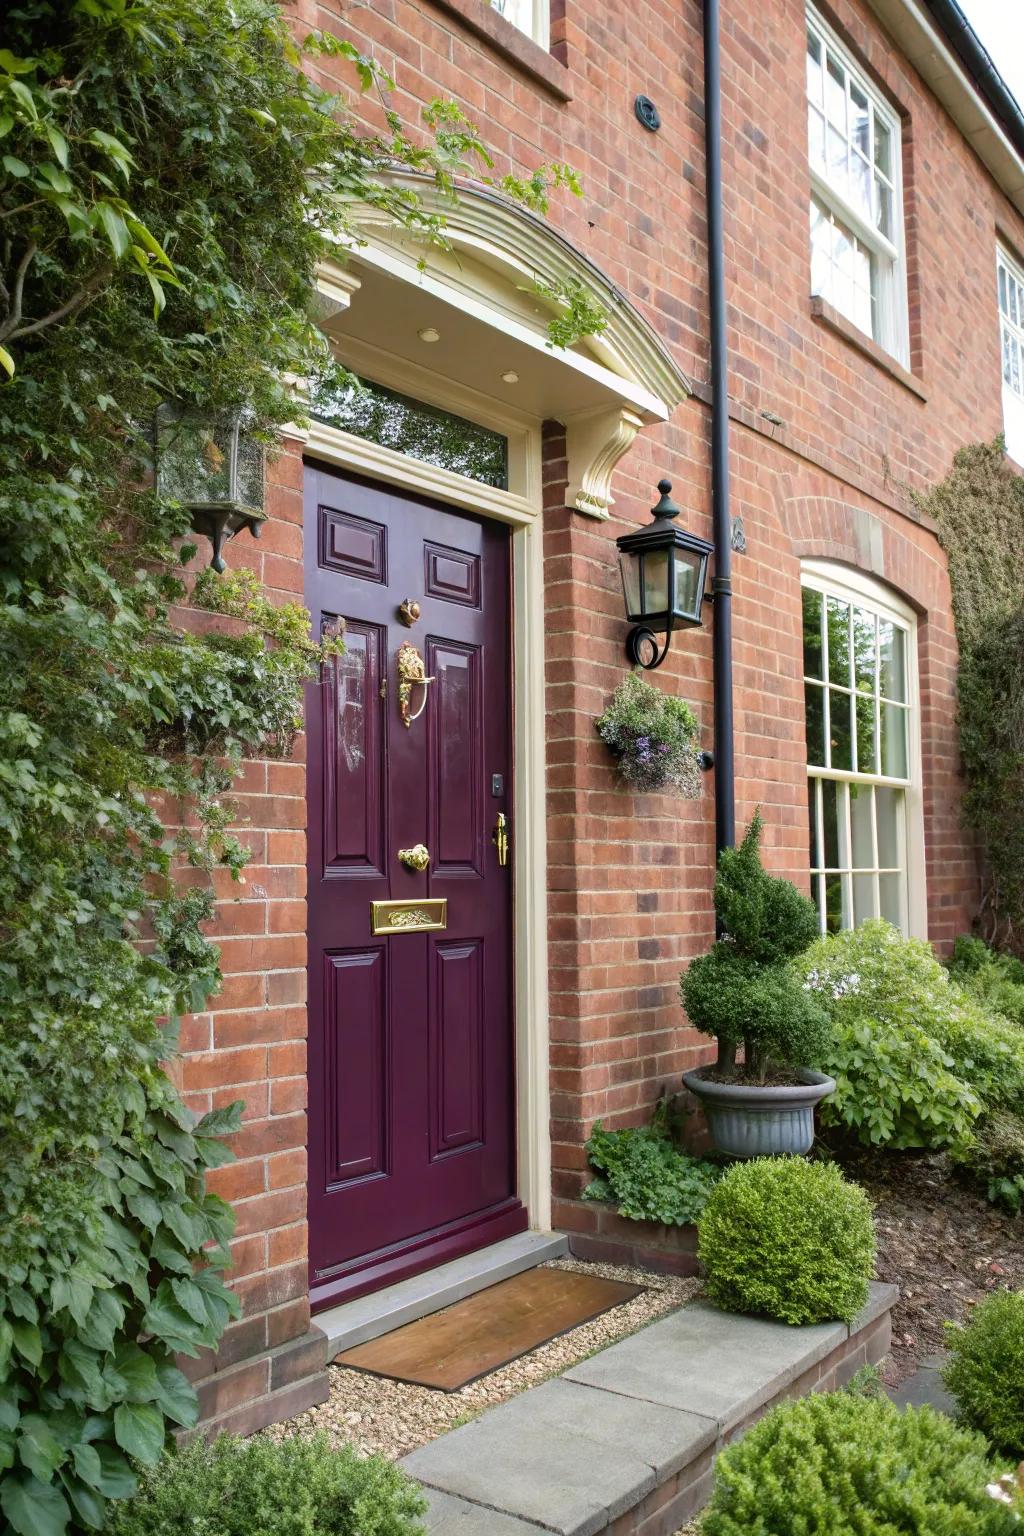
(480, 294)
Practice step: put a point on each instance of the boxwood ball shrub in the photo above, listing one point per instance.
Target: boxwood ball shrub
(788, 1239)
(986, 1371)
(260, 1487)
(834, 1464)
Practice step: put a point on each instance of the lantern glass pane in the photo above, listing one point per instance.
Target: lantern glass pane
(689, 585)
(629, 566)
(656, 579)
(194, 459)
(249, 486)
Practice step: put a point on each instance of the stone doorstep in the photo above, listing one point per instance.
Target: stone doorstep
(624, 1441)
(368, 1317)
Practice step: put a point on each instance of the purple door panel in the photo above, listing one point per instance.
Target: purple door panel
(411, 1045)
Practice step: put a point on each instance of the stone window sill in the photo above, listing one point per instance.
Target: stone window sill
(829, 317)
(512, 44)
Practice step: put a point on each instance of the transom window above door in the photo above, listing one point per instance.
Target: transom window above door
(860, 692)
(856, 209)
(530, 16)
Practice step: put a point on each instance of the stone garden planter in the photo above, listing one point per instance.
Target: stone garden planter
(746, 1120)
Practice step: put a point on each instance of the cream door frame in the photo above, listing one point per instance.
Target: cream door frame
(520, 508)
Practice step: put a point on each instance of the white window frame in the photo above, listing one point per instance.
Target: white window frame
(530, 16)
(893, 316)
(1013, 398)
(854, 587)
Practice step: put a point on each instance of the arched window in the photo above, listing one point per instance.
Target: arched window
(863, 751)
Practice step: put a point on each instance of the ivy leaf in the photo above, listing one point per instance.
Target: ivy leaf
(28, 1341)
(138, 1372)
(74, 1292)
(79, 1367)
(176, 1396)
(169, 1255)
(34, 1508)
(222, 1122)
(88, 1464)
(89, 1505)
(140, 1431)
(118, 1479)
(38, 1447)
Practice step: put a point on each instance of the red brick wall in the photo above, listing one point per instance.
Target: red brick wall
(252, 1046)
(630, 876)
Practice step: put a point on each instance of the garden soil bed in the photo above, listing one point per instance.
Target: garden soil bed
(940, 1242)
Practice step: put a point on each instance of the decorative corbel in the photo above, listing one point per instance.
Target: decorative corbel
(335, 286)
(595, 442)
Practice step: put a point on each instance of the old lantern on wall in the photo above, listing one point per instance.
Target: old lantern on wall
(664, 570)
(215, 466)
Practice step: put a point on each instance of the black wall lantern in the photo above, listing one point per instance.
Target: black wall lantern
(215, 466)
(664, 570)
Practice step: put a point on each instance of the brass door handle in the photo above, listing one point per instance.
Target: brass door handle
(499, 837)
(416, 858)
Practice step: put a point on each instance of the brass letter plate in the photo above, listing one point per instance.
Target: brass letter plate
(408, 916)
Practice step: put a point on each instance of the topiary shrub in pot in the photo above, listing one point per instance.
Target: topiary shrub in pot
(744, 992)
(787, 1239)
(986, 1371)
(835, 1463)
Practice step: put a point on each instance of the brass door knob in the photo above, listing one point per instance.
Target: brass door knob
(414, 858)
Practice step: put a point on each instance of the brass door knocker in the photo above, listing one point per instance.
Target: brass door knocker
(411, 674)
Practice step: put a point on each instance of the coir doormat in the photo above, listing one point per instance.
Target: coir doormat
(488, 1330)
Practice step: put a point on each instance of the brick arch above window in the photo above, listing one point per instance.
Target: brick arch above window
(828, 528)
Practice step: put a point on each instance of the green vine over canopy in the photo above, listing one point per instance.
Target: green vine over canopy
(169, 177)
(979, 509)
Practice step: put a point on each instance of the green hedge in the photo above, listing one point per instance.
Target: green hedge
(260, 1487)
(845, 1465)
(788, 1239)
(986, 1371)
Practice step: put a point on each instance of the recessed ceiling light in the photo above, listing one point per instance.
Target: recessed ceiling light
(510, 376)
(429, 333)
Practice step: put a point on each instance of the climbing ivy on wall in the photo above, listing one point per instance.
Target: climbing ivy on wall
(979, 509)
(169, 175)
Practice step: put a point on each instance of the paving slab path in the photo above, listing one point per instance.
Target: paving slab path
(625, 1441)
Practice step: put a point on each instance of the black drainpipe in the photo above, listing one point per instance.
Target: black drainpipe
(721, 587)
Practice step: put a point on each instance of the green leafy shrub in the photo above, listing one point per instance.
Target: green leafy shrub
(915, 1057)
(979, 510)
(986, 1371)
(653, 738)
(837, 1463)
(996, 980)
(743, 991)
(171, 174)
(260, 1487)
(995, 1158)
(788, 1239)
(646, 1175)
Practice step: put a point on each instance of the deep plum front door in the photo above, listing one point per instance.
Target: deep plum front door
(411, 1049)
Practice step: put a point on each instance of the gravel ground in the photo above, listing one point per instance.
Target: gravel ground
(375, 1414)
